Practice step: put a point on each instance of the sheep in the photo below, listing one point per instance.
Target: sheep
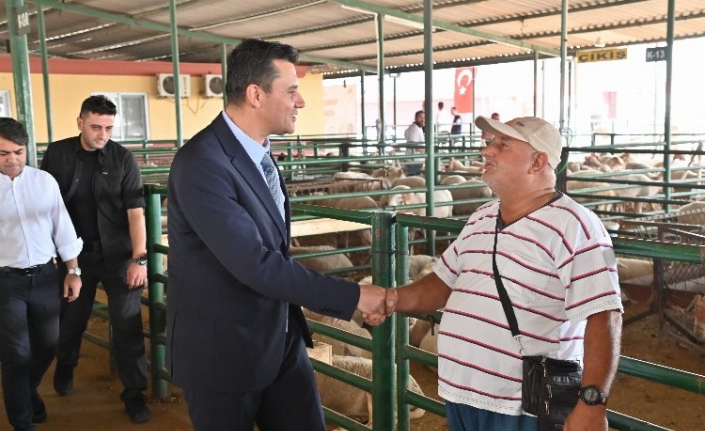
(321, 263)
(417, 263)
(339, 347)
(401, 198)
(414, 182)
(352, 203)
(630, 268)
(349, 400)
(475, 189)
(457, 166)
(452, 179)
(577, 186)
(418, 332)
(429, 343)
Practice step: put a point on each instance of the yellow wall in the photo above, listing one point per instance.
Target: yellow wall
(197, 111)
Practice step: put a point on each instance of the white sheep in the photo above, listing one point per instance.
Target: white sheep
(349, 400)
(321, 263)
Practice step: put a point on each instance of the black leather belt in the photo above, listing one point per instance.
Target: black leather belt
(32, 270)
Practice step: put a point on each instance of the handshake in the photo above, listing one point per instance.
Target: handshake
(377, 303)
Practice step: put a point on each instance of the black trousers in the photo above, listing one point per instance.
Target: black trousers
(29, 330)
(125, 312)
(290, 403)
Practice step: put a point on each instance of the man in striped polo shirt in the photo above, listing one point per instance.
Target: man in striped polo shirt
(558, 266)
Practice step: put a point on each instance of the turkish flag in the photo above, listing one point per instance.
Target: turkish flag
(464, 89)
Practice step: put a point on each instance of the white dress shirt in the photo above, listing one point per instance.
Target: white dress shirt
(34, 223)
(414, 133)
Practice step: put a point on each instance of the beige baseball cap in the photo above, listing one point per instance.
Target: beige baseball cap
(538, 133)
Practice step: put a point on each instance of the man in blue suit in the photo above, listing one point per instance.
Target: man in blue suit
(236, 335)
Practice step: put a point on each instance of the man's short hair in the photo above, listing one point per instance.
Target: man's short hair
(416, 115)
(441, 105)
(13, 131)
(99, 104)
(251, 62)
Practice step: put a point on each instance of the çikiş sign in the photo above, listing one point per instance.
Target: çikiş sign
(601, 55)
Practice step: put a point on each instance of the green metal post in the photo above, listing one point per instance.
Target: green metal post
(383, 335)
(362, 109)
(157, 317)
(669, 78)
(177, 76)
(564, 53)
(430, 138)
(224, 70)
(45, 72)
(536, 84)
(402, 329)
(380, 78)
(18, 27)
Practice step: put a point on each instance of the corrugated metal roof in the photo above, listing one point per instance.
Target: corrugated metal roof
(336, 39)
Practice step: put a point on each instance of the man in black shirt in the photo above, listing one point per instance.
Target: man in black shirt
(101, 186)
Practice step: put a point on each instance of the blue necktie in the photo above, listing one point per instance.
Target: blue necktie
(271, 176)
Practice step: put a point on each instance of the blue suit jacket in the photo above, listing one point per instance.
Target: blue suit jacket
(232, 284)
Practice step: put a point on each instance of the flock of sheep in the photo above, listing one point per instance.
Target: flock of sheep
(389, 188)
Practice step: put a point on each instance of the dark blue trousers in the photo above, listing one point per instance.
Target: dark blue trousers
(290, 403)
(124, 308)
(29, 330)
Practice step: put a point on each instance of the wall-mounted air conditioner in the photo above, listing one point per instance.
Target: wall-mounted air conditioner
(213, 85)
(165, 85)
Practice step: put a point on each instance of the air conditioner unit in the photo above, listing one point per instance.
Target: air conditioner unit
(165, 85)
(213, 85)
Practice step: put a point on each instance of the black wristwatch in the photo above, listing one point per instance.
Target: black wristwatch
(592, 396)
(142, 260)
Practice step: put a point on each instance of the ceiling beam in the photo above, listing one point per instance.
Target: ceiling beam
(372, 8)
(123, 19)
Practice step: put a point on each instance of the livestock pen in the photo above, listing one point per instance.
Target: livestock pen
(380, 256)
(388, 344)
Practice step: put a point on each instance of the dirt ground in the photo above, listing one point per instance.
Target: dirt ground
(95, 403)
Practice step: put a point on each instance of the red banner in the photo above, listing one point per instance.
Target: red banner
(464, 89)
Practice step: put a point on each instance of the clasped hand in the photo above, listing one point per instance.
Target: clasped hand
(376, 303)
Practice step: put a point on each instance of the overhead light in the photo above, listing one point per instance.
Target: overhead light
(599, 43)
(388, 18)
(404, 22)
(358, 10)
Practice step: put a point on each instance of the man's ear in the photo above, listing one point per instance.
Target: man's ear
(253, 95)
(79, 122)
(540, 162)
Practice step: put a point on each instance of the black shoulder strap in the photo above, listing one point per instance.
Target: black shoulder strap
(503, 295)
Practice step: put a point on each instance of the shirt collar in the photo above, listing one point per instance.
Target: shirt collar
(254, 149)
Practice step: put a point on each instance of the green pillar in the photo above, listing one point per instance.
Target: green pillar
(18, 26)
(383, 335)
(157, 316)
(380, 78)
(224, 70)
(177, 76)
(45, 72)
(430, 119)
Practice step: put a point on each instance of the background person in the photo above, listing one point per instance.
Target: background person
(457, 127)
(487, 135)
(35, 227)
(236, 339)
(558, 266)
(101, 185)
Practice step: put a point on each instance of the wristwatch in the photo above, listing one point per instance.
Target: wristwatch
(592, 396)
(75, 271)
(142, 260)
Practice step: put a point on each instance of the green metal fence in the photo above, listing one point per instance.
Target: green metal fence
(389, 344)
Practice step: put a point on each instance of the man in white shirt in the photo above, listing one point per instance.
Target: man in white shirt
(35, 226)
(414, 133)
(444, 120)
